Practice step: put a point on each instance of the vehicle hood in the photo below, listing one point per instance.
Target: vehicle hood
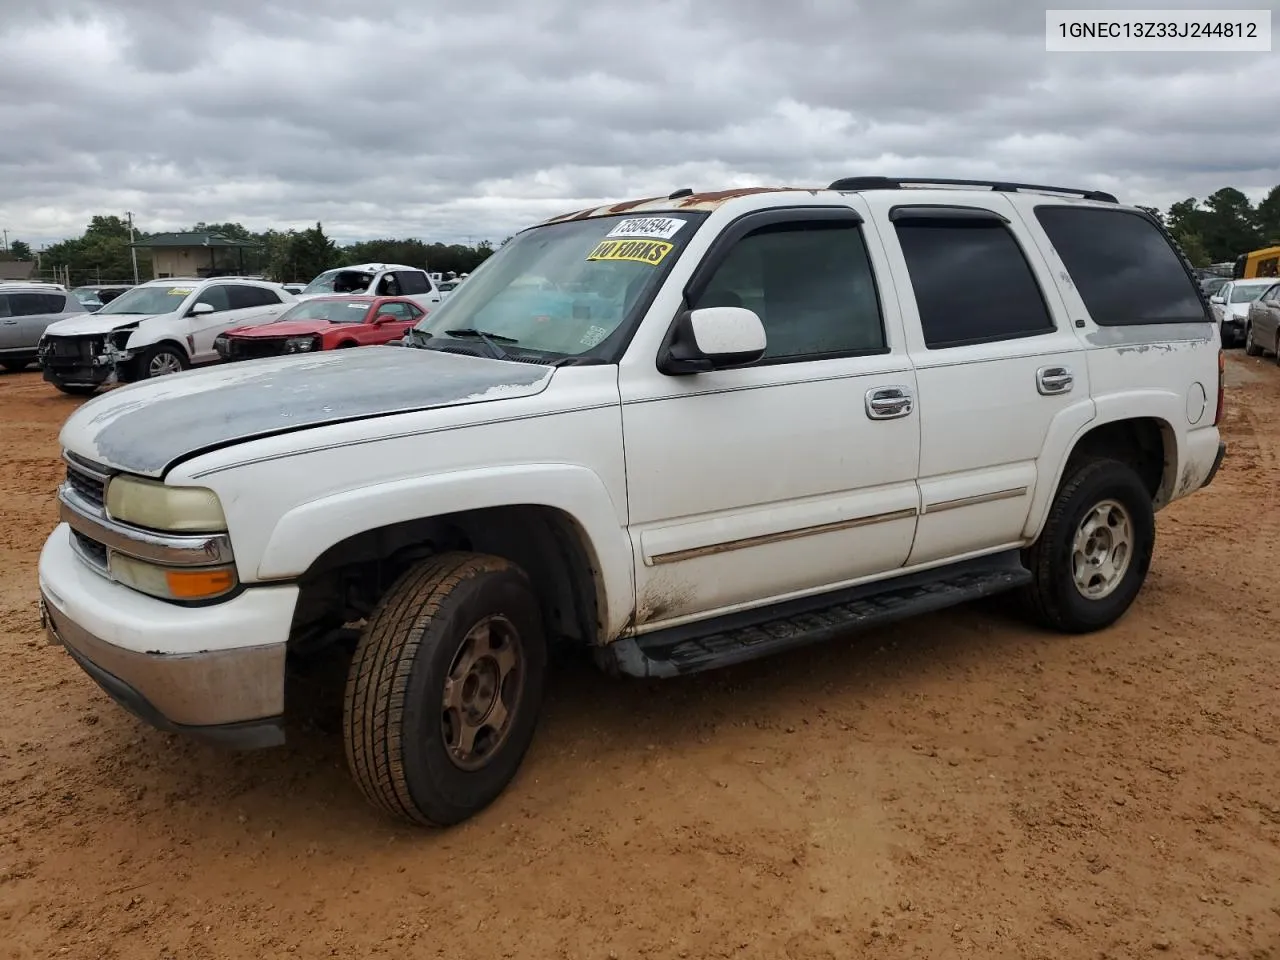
(91, 323)
(287, 328)
(146, 427)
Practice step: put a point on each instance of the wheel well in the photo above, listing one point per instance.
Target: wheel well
(1145, 443)
(345, 343)
(345, 582)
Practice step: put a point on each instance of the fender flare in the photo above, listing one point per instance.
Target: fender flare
(1069, 428)
(143, 339)
(308, 530)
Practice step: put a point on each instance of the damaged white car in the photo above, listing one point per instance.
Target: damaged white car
(159, 327)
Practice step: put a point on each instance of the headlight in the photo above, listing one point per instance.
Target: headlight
(170, 583)
(149, 503)
(301, 344)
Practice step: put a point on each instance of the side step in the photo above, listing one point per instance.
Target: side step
(740, 637)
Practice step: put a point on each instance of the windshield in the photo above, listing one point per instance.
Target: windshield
(1213, 284)
(340, 281)
(1243, 294)
(158, 299)
(335, 311)
(564, 287)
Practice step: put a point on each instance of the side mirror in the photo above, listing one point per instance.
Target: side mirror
(713, 337)
(200, 309)
(1217, 298)
(382, 318)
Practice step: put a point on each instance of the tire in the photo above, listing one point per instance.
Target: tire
(1277, 346)
(396, 720)
(15, 366)
(1251, 348)
(1053, 597)
(158, 361)
(76, 389)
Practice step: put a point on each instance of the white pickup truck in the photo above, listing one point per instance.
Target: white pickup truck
(679, 432)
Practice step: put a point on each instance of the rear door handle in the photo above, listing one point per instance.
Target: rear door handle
(1051, 380)
(889, 403)
(11, 323)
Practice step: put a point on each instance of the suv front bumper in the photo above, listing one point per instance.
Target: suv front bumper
(214, 672)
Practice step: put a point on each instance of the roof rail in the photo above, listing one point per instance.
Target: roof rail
(1005, 186)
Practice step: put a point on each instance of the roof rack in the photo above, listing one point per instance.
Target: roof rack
(1004, 186)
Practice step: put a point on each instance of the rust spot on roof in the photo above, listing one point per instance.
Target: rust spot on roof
(630, 204)
(720, 196)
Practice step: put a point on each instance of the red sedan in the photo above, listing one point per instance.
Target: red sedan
(322, 323)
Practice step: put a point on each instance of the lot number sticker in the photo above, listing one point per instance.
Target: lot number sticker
(640, 251)
(654, 228)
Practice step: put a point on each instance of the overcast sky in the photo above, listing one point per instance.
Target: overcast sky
(381, 118)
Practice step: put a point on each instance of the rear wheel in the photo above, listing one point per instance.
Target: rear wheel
(1250, 347)
(1093, 555)
(445, 688)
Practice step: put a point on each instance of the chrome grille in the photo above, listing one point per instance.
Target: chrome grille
(88, 486)
(91, 550)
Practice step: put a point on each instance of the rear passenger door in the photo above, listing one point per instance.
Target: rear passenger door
(995, 367)
(27, 317)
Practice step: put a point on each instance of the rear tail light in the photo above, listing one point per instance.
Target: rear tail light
(1222, 392)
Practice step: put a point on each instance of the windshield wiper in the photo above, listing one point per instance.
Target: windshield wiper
(489, 340)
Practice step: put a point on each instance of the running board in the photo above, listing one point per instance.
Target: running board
(752, 634)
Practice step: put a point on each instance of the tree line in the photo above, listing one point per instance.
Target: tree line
(102, 253)
(1216, 230)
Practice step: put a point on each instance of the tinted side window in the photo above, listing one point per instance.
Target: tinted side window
(216, 297)
(411, 281)
(401, 311)
(34, 304)
(241, 297)
(1125, 269)
(811, 284)
(972, 282)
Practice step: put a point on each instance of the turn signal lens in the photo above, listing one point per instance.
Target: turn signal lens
(169, 583)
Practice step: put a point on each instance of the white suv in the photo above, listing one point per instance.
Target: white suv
(377, 280)
(678, 433)
(158, 327)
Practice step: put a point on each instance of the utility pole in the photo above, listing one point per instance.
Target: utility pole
(133, 251)
(6, 241)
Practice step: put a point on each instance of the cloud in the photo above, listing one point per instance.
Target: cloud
(388, 118)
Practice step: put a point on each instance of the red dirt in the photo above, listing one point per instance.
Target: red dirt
(959, 785)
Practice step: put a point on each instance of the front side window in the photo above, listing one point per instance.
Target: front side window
(811, 284)
(972, 282)
(401, 311)
(562, 288)
(216, 296)
(1124, 268)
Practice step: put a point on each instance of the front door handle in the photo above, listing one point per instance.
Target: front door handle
(1051, 380)
(11, 323)
(889, 403)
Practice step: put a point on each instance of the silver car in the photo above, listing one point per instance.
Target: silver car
(26, 309)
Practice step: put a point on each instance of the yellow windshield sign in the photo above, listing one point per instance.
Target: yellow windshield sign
(639, 251)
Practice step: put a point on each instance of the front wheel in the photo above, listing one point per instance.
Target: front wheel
(445, 688)
(1093, 555)
(159, 361)
(1251, 347)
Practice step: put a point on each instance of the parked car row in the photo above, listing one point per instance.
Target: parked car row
(1248, 312)
(83, 341)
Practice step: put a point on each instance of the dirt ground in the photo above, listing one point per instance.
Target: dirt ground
(959, 785)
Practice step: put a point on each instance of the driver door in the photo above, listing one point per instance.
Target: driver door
(203, 327)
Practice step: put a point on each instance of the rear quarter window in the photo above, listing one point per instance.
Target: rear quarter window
(1124, 267)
